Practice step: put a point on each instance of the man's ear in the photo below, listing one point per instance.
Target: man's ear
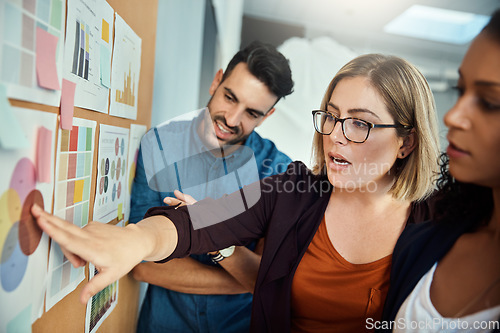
(216, 81)
(409, 144)
(270, 112)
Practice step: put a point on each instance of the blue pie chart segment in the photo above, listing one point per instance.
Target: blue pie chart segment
(13, 262)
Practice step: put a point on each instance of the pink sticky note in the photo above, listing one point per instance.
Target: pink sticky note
(67, 104)
(43, 155)
(46, 69)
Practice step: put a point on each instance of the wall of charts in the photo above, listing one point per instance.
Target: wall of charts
(63, 148)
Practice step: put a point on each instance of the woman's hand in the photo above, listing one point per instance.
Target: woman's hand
(113, 250)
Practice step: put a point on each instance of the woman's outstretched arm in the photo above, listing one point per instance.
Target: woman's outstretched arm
(113, 250)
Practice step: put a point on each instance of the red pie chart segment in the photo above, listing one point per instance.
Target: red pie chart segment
(29, 231)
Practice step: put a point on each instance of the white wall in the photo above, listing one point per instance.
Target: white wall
(179, 45)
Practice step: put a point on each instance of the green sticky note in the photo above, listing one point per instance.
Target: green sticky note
(105, 66)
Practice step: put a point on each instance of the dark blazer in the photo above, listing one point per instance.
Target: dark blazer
(288, 213)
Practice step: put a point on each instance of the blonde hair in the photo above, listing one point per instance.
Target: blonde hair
(409, 100)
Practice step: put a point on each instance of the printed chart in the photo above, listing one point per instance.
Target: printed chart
(111, 173)
(102, 304)
(19, 21)
(88, 34)
(23, 245)
(136, 134)
(75, 151)
(125, 71)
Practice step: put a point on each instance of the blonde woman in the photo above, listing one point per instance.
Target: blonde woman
(327, 252)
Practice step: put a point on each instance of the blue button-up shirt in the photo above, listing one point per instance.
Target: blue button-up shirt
(173, 156)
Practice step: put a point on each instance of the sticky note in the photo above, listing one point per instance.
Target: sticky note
(46, 69)
(105, 31)
(67, 104)
(105, 66)
(120, 212)
(43, 155)
(78, 190)
(11, 133)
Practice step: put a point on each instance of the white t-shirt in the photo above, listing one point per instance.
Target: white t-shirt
(418, 314)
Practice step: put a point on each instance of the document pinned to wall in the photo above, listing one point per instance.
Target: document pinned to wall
(19, 44)
(73, 177)
(125, 70)
(111, 173)
(23, 245)
(88, 47)
(100, 306)
(136, 134)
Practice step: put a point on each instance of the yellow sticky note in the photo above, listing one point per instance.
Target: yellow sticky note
(78, 190)
(120, 213)
(105, 31)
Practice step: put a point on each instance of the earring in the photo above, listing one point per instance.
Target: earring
(402, 155)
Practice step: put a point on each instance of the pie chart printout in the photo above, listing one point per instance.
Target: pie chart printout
(19, 232)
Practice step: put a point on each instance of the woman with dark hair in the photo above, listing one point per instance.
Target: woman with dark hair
(446, 273)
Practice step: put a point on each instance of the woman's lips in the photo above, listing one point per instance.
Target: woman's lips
(454, 151)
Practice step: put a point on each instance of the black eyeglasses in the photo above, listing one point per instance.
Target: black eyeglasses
(354, 129)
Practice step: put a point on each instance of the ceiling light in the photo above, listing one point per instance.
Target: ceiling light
(436, 24)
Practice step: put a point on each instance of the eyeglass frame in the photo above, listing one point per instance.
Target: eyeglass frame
(342, 121)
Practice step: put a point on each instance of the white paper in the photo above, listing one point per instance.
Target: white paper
(18, 24)
(126, 67)
(100, 306)
(23, 276)
(89, 30)
(136, 134)
(73, 177)
(111, 173)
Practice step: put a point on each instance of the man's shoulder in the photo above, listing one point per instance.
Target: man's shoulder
(265, 148)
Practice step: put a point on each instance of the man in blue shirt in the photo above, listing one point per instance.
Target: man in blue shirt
(209, 153)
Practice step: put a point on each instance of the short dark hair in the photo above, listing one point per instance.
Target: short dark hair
(493, 27)
(267, 64)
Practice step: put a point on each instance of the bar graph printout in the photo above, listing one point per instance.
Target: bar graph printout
(23, 246)
(100, 306)
(19, 23)
(88, 51)
(126, 67)
(75, 152)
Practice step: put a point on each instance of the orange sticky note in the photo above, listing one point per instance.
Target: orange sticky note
(43, 155)
(67, 104)
(105, 31)
(46, 69)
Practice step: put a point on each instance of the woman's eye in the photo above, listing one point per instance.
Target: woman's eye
(360, 124)
(488, 106)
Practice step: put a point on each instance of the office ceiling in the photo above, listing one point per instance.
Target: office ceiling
(359, 24)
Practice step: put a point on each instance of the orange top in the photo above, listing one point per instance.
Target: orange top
(329, 294)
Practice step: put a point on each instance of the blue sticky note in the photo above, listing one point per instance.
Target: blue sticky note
(105, 67)
(11, 133)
